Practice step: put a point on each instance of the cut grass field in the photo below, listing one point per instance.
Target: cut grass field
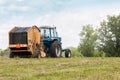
(60, 69)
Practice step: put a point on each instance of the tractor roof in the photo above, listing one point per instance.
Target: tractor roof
(47, 27)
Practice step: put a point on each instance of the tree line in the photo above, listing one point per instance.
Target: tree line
(103, 41)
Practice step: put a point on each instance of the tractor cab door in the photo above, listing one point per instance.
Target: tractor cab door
(53, 33)
(45, 33)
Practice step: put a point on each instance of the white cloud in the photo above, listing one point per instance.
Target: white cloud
(2, 1)
(13, 7)
(20, 0)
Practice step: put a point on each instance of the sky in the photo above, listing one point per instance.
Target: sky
(67, 15)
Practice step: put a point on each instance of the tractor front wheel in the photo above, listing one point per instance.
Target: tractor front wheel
(67, 53)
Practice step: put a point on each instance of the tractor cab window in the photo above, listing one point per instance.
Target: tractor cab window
(53, 33)
(45, 33)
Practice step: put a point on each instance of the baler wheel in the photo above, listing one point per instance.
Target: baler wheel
(37, 54)
(11, 55)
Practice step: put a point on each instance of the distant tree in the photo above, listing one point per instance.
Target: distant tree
(88, 39)
(1, 52)
(109, 36)
(4, 53)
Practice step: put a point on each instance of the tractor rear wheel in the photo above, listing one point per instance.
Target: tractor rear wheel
(55, 49)
(67, 53)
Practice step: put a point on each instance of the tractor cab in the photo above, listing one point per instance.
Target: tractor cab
(49, 35)
(48, 32)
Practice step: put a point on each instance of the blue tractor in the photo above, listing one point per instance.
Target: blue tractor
(52, 43)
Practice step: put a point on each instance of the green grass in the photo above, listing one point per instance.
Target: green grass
(60, 69)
